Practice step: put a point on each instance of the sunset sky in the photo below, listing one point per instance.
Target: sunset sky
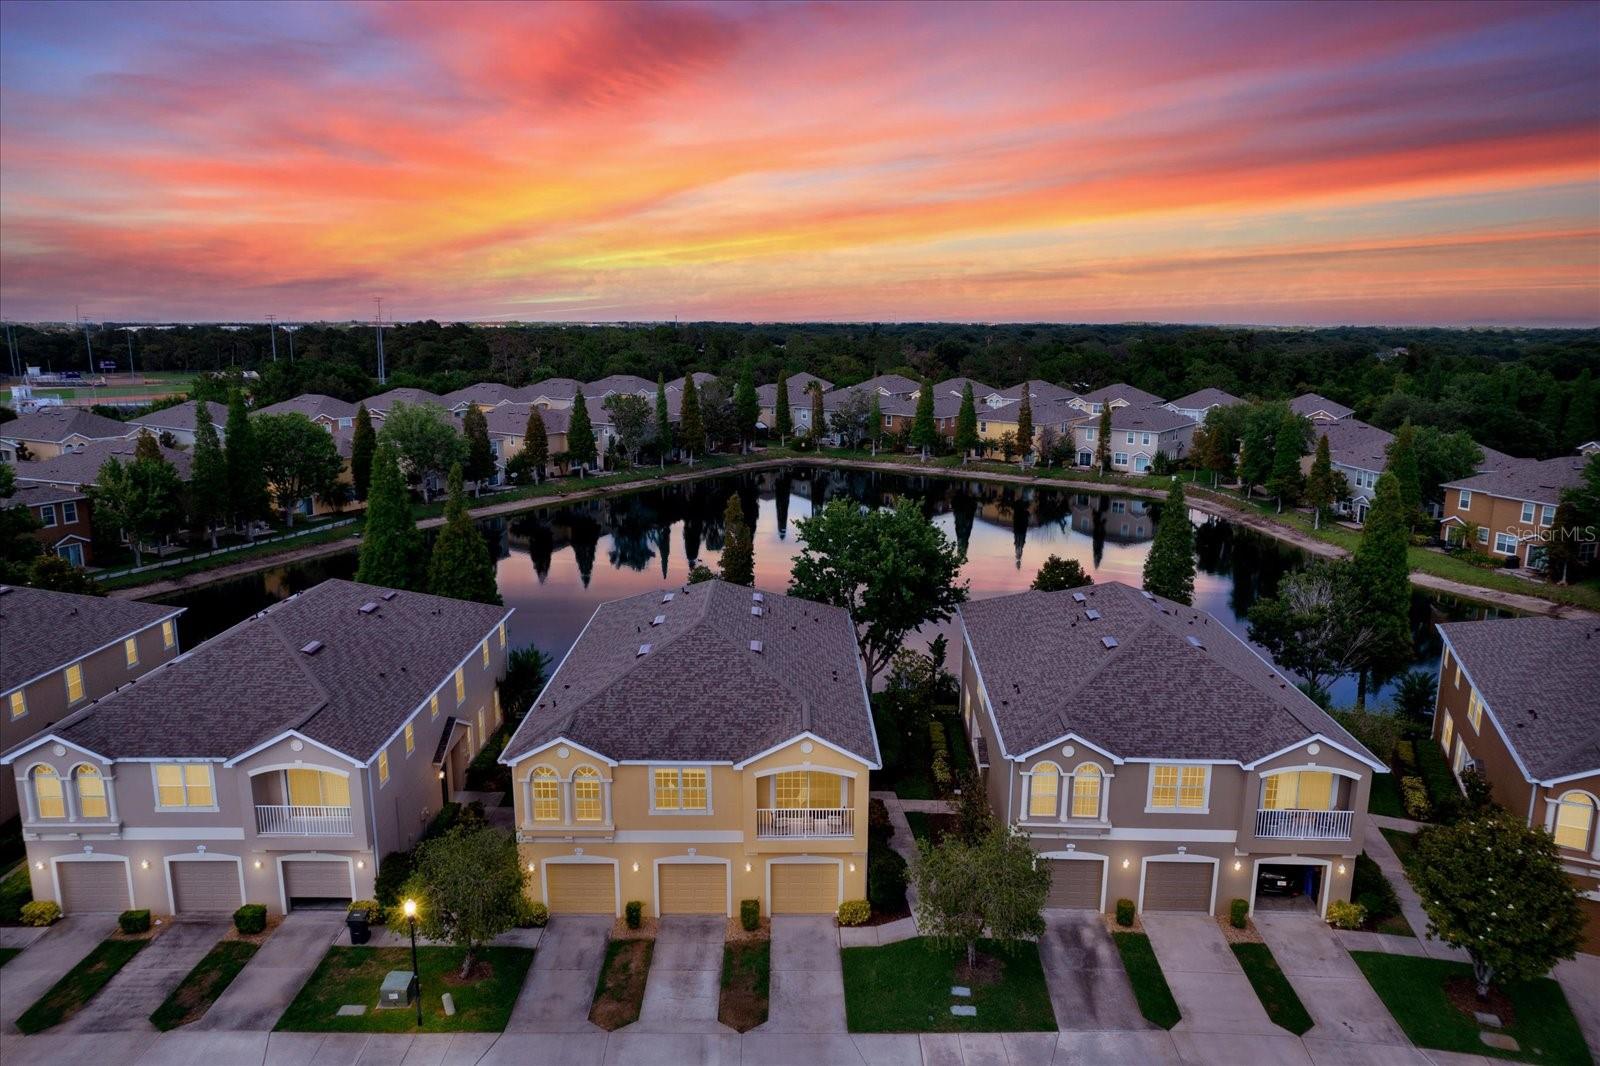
(1260, 163)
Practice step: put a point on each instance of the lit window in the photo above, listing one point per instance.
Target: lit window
(433, 706)
(383, 768)
(1178, 787)
(75, 690)
(19, 704)
(680, 789)
(1447, 732)
(807, 789)
(461, 688)
(586, 805)
(546, 795)
(1192, 787)
(49, 799)
(1574, 820)
(498, 717)
(169, 634)
(184, 785)
(1086, 781)
(502, 631)
(92, 793)
(1044, 789)
(411, 739)
(1298, 790)
(486, 655)
(483, 737)
(130, 651)
(1475, 711)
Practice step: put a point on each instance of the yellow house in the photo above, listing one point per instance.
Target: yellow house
(698, 747)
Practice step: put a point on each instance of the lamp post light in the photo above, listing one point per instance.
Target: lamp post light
(416, 974)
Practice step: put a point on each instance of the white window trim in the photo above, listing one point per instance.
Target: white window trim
(1464, 499)
(409, 732)
(1498, 550)
(69, 512)
(155, 785)
(691, 812)
(1528, 511)
(47, 516)
(66, 682)
(1150, 788)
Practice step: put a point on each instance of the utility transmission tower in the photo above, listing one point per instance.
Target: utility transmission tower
(129, 331)
(87, 343)
(272, 328)
(383, 377)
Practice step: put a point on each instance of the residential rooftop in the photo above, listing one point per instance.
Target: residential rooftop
(43, 631)
(1204, 399)
(1310, 405)
(1537, 480)
(53, 425)
(1354, 443)
(312, 405)
(181, 417)
(1122, 391)
(81, 466)
(385, 401)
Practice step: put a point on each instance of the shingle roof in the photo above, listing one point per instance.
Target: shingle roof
(43, 631)
(511, 419)
(1538, 480)
(701, 380)
(767, 395)
(38, 495)
(1203, 399)
(252, 682)
(490, 392)
(384, 401)
(1148, 418)
(953, 387)
(1121, 391)
(181, 417)
(1038, 390)
(82, 466)
(1539, 677)
(701, 693)
(312, 405)
(56, 424)
(1309, 404)
(1353, 443)
(549, 388)
(1155, 694)
(893, 384)
(621, 383)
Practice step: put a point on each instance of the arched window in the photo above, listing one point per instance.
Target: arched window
(91, 793)
(1044, 790)
(546, 789)
(1086, 780)
(1574, 820)
(586, 805)
(49, 798)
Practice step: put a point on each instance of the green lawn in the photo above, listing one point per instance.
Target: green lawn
(1273, 989)
(209, 978)
(1385, 796)
(15, 890)
(1149, 983)
(921, 824)
(7, 954)
(69, 995)
(352, 975)
(1413, 990)
(1402, 842)
(746, 983)
(905, 988)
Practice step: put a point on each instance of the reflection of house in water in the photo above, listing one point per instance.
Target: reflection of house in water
(1118, 520)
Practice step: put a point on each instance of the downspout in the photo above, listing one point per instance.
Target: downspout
(372, 821)
(1011, 784)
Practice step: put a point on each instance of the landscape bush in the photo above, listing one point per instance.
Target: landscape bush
(1238, 913)
(1380, 732)
(375, 911)
(1372, 890)
(886, 880)
(250, 919)
(634, 913)
(1414, 794)
(750, 914)
(531, 914)
(40, 912)
(392, 873)
(854, 912)
(1344, 915)
(132, 922)
(1124, 912)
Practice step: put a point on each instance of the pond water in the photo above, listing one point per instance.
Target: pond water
(556, 564)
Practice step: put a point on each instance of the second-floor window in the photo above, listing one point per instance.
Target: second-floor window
(69, 512)
(383, 768)
(47, 515)
(807, 789)
(1178, 788)
(75, 689)
(19, 704)
(587, 805)
(411, 738)
(1574, 820)
(1044, 791)
(49, 798)
(546, 795)
(1086, 785)
(169, 635)
(1527, 512)
(92, 802)
(130, 651)
(1447, 732)
(461, 688)
(1298, 790)
(485, 650)
(680, 788)
(433, 706)
(180, 785)
(1464, 500)
(1475, 711)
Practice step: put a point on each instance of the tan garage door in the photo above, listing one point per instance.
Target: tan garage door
(205, 887)
(93, 886)
(1075, 883)
(581, 887)
(805, 888)
(1177, 886)
(311, 880)
(694, 888)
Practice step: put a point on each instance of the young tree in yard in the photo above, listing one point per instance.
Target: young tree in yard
(746, 407)
(1319, 483)
(1217, 440)
(1385, 575)
(852, 419)
(18, 548)
(363, 442)
(479, 464)
(1257, 445)
(1317, 625)
(1169, 568)
(56, 574)
(1561, 550)
(536, 442)
(1102, 441)
(924, 433)
(875, 424)
(967, 423)
(581, 445)
(298, 457)
(994, 884)
(818, 413)
(1495, 888)
(247, 484)
(468, 884)
(1058, 574)
(1288, 445)
(391, 547)
(141, 500)
(893, 570)
(1402, 467)
(738, 546)
(782, 420)
(461, 567)
(208, 476)
(425, 441)
(663, 419)
(630, 415)
(1024, 427)
(691, 428)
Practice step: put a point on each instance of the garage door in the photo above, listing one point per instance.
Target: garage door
(205, 887)
(93, 886)
(1177, 886)
(311, 881)
(694, 888)
(581, 887)
(1075, 883)
(805, 888)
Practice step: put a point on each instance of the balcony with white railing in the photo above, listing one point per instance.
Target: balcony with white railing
(813, 823)
(1303, 825)
(284, 820)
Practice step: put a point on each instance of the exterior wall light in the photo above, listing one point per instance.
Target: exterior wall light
(361, 864)
(635, 867)
(1237, 865)
(746, 867)
(1125, 864)
(1341, 869)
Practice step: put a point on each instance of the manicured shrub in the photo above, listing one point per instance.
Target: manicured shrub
(886, 880)
(854, 912)
(250, 919)
(375, 913)
(40, 912)
(531, 914)
(750, 914)
(1414, 795)
(940, 764)
(1238, 913)
(1124, 912)
(634, 913)
(1405, 754)
(132, 922)
(392, 873)
(1343, 915)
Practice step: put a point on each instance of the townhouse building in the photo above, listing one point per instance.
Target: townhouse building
(485, 396)
(277, 763)
(508, 427)
(1517, 703)
(1509, 510)
(1197, 405)
(1152, 755)
(65, 518)
(1358, 451)
(63, 651)
(1139, 432)
(49, 431)
(1114, 396)
(1319, 408)
(695, 748)
(380, 405)
(799, 390)
(176, 424)
(1051, 407)
(549, 393)
(329, 412)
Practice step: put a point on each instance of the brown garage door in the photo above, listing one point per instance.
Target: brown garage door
(1177, 886)
(1591, 929)
(694, 888)
(205, 887)
(1075, 883)
(94, 885)
(805, 888)
(311, 881)
(581, 887)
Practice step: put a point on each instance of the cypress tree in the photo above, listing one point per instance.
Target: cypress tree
(362, 444)
(461, 566)
(1102, 445)
(208, 475)
(1582, 411)
(1169, 568)
(1403, 467)
(924, 434)
(1319, 483)
(1385, 574)
(875, 423)
(967, 423)
(746, 407)
(147, 447)
(782, 421)
(247, 484)
(580, 433)
(1288, 446)
(663, 418)
(692, 430)
(391, 547)
(480, 455)
(818, 426)
(1024, 425)
(738, 545)
(536, 441)
(1561, 553)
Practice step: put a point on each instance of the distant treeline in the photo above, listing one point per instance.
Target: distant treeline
(1526, 392)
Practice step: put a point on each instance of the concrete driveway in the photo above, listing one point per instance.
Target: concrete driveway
(1327, 980)
(272, 978)
(684, 988)
(1212, 991)
(1580, 980)
(1089, 987)
(29, 975)
(125, 1003)
(806, 991)
(559, 989)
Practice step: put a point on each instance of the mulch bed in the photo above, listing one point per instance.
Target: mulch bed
(1247, 935)
(745, 985)
(621, 991)
(1462, 992)
(737, 934)
(481, 971)
(646, 931)
(988, 970)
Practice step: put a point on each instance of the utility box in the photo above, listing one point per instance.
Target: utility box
(398, 990)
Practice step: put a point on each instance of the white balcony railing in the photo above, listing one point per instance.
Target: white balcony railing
(1304, 825)
(788, 823)
(300, 821)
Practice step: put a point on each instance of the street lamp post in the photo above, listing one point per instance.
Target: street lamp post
(416, 974)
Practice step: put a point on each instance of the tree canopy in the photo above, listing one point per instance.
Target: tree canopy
(425, 442)
(967, 423)
(994, 884)
(738, 545)
(478, 466)
(1169, 568)
(782, 419)
(468, 885)
(247, 480)
(299, 459)
(461, 566)
(1058, 574)
(363, 442)
(391, 547)
(208, 476)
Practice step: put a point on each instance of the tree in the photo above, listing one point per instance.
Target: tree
(1317, 625)
(1495, 888)
(363, 442)
(18, 547)
(701, 573)
(1057, 574)
(1385, 575)
(893, 570)
(663, 419)
(461, 567)
(692, 429)
(56, 574)
(1169, 568)
(1585, 496)
(140, 499)
(1288, 445)
(967, 423)
(1443, 457)
(147, 447)
(1561, 549)
(1024, 426)
(746, 407)
(852, 418)
(468, 885)
(1402, 466)
(298, 457)
(425, 442)
(630, 416)
(1257, 444)
(391, 547)
(738, 545)
(818, 422)
(1583, 411)
(782, 419)
(479, 464)
(536, 442)
(1319, 483)
(875, 423)
(994, 884)
(208, 476)
(924, 433)
(1217, 440)
(1102, 442)
(247, 482)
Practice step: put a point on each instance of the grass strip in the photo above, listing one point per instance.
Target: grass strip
(202, 985)
(1273, 989)
(1150, 986)
(353, 975)
(73, 992)
(905, 988)
(746, 983)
